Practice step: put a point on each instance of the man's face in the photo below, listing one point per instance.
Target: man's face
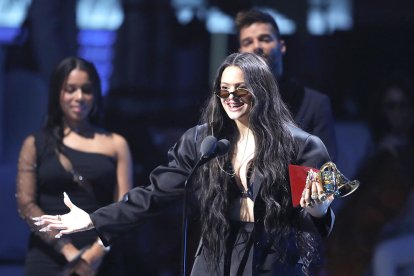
(260, 38)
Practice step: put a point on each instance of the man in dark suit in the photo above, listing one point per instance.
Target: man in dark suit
(259, 33)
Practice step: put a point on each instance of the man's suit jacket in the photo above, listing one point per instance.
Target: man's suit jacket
(311, 111)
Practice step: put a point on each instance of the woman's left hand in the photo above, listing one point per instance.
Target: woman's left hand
(94, 256)
(314, 200)
(80, 268)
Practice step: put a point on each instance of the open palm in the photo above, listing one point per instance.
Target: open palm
(76, 220)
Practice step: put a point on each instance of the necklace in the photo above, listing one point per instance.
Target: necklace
(244, 158)
(232, 173)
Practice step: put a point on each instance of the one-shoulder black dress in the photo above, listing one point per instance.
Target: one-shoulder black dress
(98, 172)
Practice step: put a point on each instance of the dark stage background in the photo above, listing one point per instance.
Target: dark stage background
(156, 59)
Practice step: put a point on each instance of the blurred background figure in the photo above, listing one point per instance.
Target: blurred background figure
(72, 153)
(393, 116)
(381, 210)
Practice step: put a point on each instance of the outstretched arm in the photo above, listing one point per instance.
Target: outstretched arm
(139, 204)
(76, 220)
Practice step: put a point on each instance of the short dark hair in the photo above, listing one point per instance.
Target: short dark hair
(247, 18)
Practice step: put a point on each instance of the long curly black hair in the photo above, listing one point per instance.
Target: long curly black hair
(275, 148)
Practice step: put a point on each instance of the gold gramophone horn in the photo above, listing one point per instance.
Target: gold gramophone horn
(334, 182)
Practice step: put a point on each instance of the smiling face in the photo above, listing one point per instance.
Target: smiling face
(237, 108)
(76, 97)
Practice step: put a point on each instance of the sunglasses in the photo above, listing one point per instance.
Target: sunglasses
(239, 93)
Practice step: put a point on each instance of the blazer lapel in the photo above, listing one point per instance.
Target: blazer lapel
(256, 183)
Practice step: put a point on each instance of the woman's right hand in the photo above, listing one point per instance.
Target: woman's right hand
(76, 220)
(314, 199)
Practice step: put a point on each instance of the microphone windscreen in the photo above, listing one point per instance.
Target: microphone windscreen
(222, 147)
(208, 146)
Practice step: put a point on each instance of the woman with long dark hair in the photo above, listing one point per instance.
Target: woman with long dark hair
(249, 225)
(72, 153)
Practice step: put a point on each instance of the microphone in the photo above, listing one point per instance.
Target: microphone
(222, 147)
(208, 146)
(209, 149)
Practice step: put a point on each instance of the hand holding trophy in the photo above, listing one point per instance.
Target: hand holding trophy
(311, 187)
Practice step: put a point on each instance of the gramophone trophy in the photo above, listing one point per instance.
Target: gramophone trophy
(333, 181)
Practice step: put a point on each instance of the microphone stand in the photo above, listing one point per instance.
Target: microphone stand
(209, 149)
(185, 219)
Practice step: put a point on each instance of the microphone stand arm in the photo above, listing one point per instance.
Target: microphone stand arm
(185, 219)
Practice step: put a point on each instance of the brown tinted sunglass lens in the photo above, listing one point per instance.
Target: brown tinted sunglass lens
(241, 92)
(223, 94)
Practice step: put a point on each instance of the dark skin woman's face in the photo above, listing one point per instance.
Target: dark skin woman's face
(76, 97)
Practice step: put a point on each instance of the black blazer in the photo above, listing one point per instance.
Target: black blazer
(166, 186)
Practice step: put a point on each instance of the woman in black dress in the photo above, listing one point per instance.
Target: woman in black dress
(71, 154)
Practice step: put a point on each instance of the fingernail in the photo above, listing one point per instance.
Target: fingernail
(44, 229)
(311, 175)
(36, 218)
(38, 223)
(58, 236)
(65, 194)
